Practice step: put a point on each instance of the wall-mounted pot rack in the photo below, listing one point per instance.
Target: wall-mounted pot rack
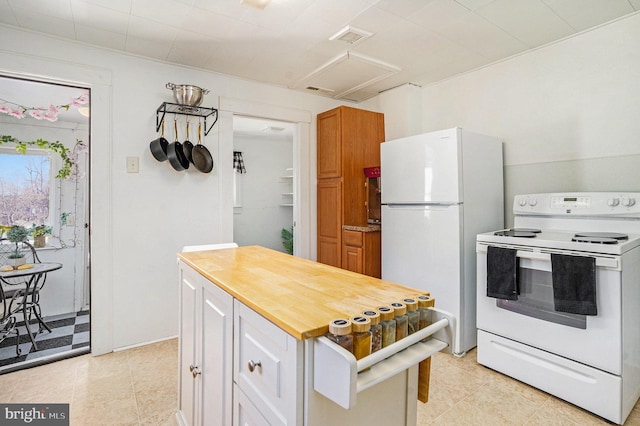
(169, 108)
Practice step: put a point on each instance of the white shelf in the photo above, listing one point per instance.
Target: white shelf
(339, 377)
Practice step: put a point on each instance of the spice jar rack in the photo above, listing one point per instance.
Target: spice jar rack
(340, 377)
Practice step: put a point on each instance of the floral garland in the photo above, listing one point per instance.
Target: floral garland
(69, 157)
(41, 113)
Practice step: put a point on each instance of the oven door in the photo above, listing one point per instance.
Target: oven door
(592, 340)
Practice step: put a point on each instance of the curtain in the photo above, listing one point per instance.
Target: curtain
(238, 162)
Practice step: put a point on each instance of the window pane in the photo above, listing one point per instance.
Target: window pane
(24, 189)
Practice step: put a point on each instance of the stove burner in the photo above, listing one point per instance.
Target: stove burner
(517, 232)
(613, 235)
(595, 240)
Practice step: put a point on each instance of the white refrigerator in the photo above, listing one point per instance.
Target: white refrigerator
(439, 190)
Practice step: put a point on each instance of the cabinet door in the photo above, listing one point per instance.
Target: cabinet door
(330, 222)
(187, 349)
(353, 259)
(328, 140)
(216, 359)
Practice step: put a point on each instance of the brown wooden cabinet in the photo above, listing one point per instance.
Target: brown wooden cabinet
(348, 141)
(361, 252)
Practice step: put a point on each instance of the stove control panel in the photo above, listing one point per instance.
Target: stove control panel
(579, 204)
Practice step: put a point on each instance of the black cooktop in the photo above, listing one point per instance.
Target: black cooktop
(599, 237)
(518, 232)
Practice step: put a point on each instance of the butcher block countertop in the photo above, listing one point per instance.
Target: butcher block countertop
(298, 295)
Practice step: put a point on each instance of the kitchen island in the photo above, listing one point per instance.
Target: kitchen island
(251, 327)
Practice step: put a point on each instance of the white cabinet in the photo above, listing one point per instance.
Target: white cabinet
(205, 351)
(236, 367)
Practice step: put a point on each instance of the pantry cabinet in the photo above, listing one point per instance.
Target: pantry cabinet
(348, 140)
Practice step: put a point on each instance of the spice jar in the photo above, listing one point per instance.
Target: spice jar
(376, 330)
(340, 333)
(402, 322)
(424, 303)
(388, 324)
(360, 328)
(413, 315)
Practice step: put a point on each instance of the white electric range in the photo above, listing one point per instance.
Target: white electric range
(591, 360)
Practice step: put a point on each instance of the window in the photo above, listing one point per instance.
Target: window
(27, 187)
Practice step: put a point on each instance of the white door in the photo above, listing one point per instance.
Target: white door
(421, 169)
(421, 249)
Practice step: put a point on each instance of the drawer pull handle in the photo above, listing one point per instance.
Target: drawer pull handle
(252, 365)
(194, 371)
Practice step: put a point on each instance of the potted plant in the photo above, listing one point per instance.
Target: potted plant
(39, 233)
(16, 235)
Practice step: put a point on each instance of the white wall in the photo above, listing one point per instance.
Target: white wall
(568, 112)
(140, 220)
(261, 216)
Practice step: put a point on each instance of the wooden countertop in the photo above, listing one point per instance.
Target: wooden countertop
(298, 295)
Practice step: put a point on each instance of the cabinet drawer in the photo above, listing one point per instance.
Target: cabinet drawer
(266, 361)
(352, 238)
(244, 412)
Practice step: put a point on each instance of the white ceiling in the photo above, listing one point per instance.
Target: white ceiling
(287, 43)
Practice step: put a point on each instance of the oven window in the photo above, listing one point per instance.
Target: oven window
(536, 300)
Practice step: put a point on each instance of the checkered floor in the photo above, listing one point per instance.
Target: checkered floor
(69, 333)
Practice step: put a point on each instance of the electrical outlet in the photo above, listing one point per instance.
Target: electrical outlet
(132, 165)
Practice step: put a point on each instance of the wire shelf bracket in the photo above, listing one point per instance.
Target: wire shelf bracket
(170, 108)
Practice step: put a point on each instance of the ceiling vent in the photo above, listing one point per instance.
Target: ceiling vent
(351, 35)
(347, 77)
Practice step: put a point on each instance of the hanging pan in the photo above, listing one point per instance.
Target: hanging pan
(175, 154)
(201, 156)
(187, 146)
(159, 146)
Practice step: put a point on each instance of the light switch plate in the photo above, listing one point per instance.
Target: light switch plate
(132, 165)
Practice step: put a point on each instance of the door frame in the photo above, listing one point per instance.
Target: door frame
(228, 107)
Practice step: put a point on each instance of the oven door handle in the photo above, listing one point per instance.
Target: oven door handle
(545, 256)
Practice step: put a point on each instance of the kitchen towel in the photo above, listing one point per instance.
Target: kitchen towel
(502, 273)
(574, 284)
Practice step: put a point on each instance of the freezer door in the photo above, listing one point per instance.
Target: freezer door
(422, 168)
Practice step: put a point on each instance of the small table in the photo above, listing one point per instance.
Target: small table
(33, 277)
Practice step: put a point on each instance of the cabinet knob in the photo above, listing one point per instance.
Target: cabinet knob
(252, 365)
(195, 371)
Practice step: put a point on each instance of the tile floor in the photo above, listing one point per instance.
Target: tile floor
(139, 387)
(69, 333)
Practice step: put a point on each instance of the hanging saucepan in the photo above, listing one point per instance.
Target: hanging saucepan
(200, 155)
(159, 146)
(174, 152)
(187, 146)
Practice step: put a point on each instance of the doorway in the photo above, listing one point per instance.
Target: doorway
(32, 111)
(263, 179)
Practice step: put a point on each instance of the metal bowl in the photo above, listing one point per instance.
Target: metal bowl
(187, 94)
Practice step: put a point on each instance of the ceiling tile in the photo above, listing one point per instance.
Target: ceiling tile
(402, 8)
(152, 31)
(583, 14)
(635, 4)
(474, 4)
(6, 13)
(530, 21)
(339, 12)
(57, 8)
(192, 49)
(92, 15)
(38, 22)
(118, 5)
(98, 37)
(438, 14)
(167, 12)
(479, 35)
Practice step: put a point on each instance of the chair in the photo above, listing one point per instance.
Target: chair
(15, 288)
(209, 247)
(8, 320)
